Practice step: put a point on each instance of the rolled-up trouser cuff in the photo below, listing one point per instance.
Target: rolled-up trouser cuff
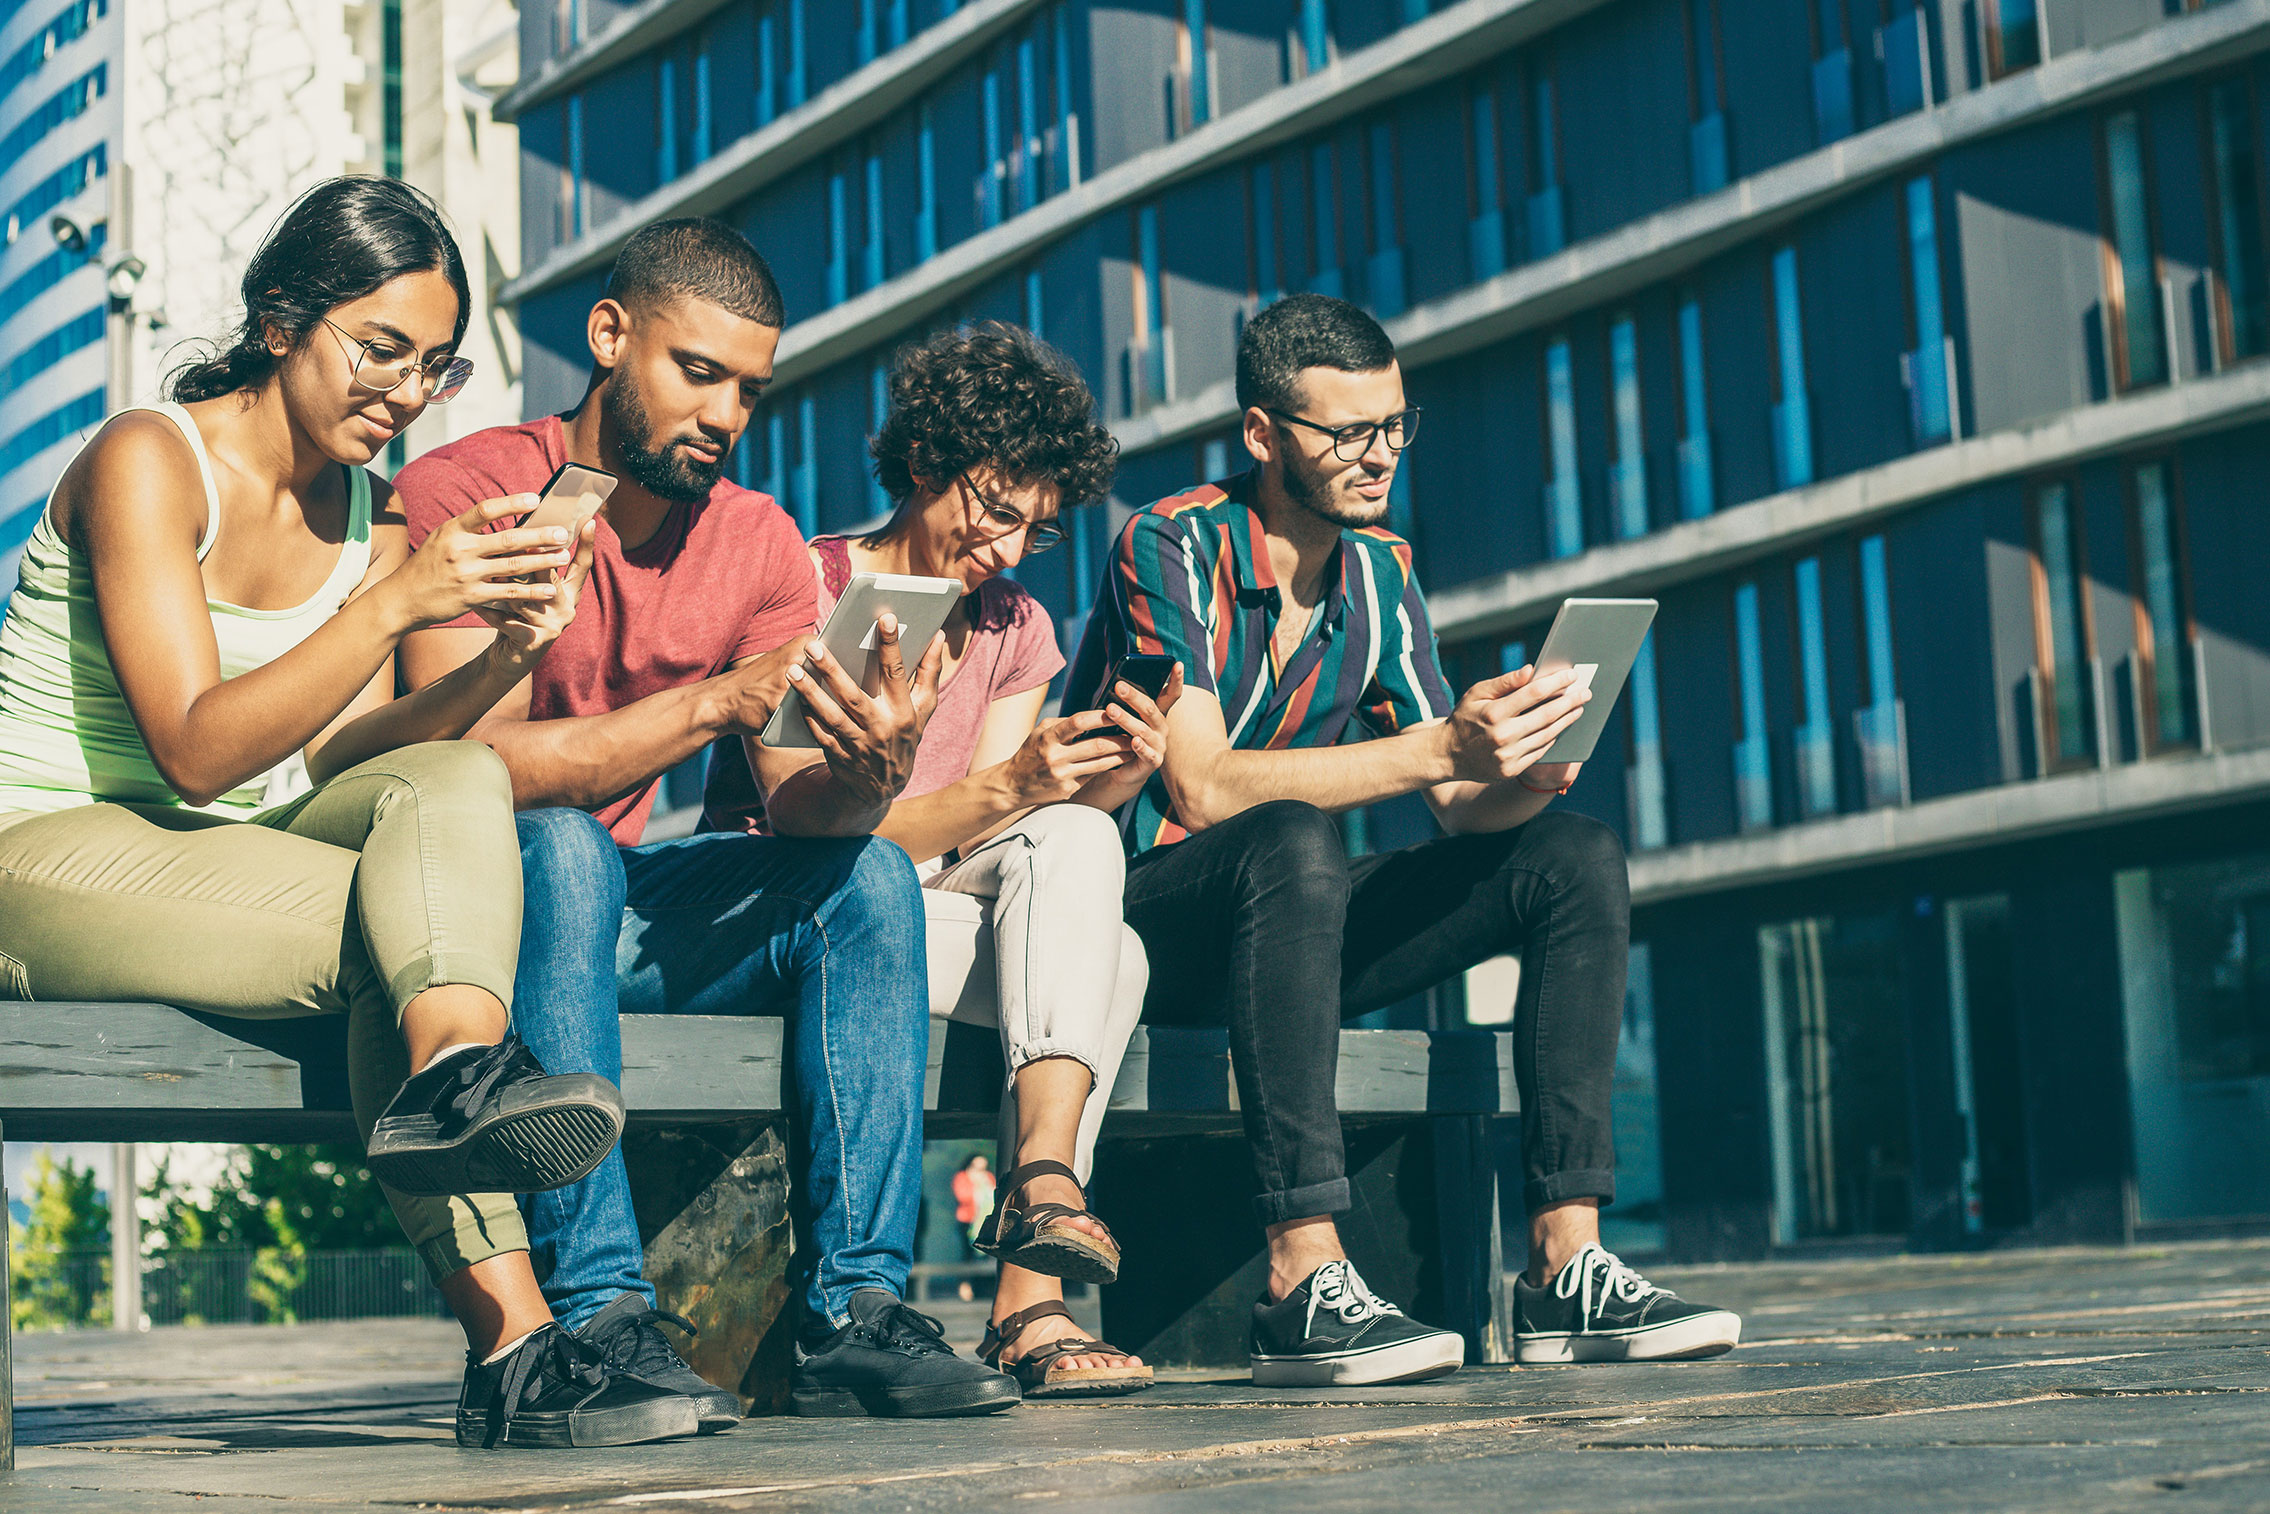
(1302, 1203)
(474, 1228)
(1034, 1051)
(444, 969)
(1583, 1183)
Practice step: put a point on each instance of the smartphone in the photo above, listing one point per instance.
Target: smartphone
(573, 496)
(1145, 670)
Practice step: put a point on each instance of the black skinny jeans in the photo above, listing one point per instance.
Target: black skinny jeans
(1264, 923)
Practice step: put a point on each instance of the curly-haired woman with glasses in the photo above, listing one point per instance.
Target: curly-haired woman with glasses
(990, 438)
(211, 797)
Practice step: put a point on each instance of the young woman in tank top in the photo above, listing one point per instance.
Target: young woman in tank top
(211, 600)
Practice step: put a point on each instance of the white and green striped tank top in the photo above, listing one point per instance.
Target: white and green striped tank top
(66, 735)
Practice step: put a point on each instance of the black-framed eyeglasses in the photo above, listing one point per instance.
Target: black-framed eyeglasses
(1353, 441)
(1040, 535)
(382, 372)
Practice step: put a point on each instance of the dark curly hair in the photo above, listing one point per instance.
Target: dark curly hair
(991, 394)
(343, 239)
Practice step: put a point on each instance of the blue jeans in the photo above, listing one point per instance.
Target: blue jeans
(826, 934)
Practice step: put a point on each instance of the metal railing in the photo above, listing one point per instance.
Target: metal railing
(240, 1287)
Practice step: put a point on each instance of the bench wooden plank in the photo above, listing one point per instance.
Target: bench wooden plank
(150, 1072)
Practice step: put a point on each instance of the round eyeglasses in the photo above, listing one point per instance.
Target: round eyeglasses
(381, 369)
(1353, 441)
(1039, 535)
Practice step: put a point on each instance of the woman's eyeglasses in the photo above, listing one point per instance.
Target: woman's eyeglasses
(1039, 535)
(381, 369)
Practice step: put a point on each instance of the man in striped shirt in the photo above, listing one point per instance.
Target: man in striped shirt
(1313, 688)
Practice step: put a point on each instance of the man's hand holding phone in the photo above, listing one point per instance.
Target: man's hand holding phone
(1138, 719)
(1504, 724)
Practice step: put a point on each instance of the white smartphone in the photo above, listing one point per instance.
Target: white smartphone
(573, 496)
(1599, 639)
(921, 604)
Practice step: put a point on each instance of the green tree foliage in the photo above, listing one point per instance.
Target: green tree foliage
(58, 1271)
(278, 1203)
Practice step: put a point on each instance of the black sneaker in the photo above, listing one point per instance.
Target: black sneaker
(628, 1336)
(893, 1362)
(1596, 1309)
(488, 1119)
(1332, 1332)
(555, 1391)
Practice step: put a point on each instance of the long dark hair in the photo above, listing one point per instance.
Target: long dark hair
(341, 240)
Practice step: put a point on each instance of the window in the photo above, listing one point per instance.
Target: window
(1643, 782)
(1695, 494)
(1927, 366)
(666, 117)
(1033, 309)
(1324, 222)
(1880, 727)
(989, 177)
(1315, 50)
(1067, 121)
(71, 179)
(1903, 44)
(878, 408)
(2064, 648)
(1150, 365)
(1815, 746)
(571, 171)
(839, 237)
(2241, 287)
(1485, 186)
(1792, 410)
(64, 105)
(1028, 124)
(1547, 224)
(776, 460)
(82, 330)
(1627, 472)
(1832, 70)
(49, 271)
(867, 38)
(2162, 682)
(1706, 96)
(390, 109)
(1383, 271)
(1190, 86)
(2133, 322)
(926, 186)
(567, 25)
(873, 260)
(896, 22)
(2013, 35)
(43, 44)
(768, 68)
(50, 429)
(704, 133)
(1753, 769)
(1564, 502)
(798, 78)
(1263, 279)
(807, 487)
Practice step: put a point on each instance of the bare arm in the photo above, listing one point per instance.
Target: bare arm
(135, 509)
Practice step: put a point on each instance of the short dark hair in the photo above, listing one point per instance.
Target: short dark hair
(992, 393)
(343, 239)
(1305, 331)
(695, 257)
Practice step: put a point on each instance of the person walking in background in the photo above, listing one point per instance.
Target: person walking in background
(991, 436)
(696, 620)
(216, 595)
(973, 1198)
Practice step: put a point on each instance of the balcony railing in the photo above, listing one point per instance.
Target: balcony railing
(1816, 769)
(1832, 96)
(1644, 799)
(1383, 282)
(1627, 496)
(1548, 229)
(1696, 497)
(1792, 443)
(1929, 377)
(1485, 244)
(1880, 732)
(1753, 784)
(1564, 516)
(1901, 46)
(1147, 369)
(1706, 153)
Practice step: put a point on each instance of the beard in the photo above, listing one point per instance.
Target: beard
(664, 472)
(1320, 495)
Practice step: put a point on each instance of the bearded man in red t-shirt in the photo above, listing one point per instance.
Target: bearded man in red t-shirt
(695, 620)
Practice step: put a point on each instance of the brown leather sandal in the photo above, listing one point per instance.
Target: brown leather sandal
(1039, 1372)
(1036, 1237)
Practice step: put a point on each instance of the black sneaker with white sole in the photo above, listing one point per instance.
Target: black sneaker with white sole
(1596, 1309)
(554, 1391)
(892, 1362)
(1332, 1331)
(628, 1336)
(489, 1119)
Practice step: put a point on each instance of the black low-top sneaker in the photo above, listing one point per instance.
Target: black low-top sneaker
(1596, 1309)
(1332, 1331)
(628, 1336)
(489, 1119)
(555, 1391)
(893, 1362)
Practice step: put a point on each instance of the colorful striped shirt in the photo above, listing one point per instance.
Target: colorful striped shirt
(1190, 578)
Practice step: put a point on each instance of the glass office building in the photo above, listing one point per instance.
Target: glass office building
(1906, 350)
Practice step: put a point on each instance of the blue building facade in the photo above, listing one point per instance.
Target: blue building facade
(61, 74)
(1906, 350)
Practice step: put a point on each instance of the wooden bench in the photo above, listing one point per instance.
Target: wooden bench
(1426, 1117)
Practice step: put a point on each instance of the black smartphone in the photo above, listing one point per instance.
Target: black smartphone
(1145, 670)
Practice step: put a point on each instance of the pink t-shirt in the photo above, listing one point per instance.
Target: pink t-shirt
(1012, 649)
(722, 580)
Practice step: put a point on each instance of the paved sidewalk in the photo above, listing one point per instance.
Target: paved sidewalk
(2058, 1381)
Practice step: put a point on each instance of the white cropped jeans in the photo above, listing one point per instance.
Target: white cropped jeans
(1025, 933)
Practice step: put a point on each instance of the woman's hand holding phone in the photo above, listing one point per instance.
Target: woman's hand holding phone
(525, 632)
(465, 567)
(1140, 722)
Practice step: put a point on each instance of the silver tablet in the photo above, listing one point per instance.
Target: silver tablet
(921, 604)
(1599, 638)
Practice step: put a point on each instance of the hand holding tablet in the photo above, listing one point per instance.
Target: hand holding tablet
(1551, 713)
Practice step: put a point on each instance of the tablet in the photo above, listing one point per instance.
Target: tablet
(921, 604)
(1599, 638)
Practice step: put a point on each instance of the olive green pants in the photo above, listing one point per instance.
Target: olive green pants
(397, 876)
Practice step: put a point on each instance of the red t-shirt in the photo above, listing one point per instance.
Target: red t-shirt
(720, 581)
